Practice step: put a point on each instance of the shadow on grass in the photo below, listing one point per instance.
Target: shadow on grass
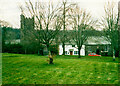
(10, 56)
(46, 65)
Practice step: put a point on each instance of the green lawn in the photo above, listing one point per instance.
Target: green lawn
(31, 69)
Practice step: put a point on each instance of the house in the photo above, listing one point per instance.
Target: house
(71, 49)
(92, 44)
(100, 43)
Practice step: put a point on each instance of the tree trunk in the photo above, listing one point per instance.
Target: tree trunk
(113, 54)
(49, 55)
(63, 48)
(51, 61)
(79, 52)
(64, 29)
(47, 48)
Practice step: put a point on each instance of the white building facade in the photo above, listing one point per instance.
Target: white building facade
(71, 50)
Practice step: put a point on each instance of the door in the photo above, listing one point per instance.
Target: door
(71, 52)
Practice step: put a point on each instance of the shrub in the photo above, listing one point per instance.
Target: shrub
(13, 48)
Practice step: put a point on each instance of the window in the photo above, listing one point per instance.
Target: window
(73, 45)
(75, 52)
(65, 52)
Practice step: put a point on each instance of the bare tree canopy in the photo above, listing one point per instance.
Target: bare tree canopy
(81, 22)
(47, 23)
(110, 25)
(64, 13)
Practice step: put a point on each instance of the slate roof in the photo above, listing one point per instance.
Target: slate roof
(93, 40)
(97, 40)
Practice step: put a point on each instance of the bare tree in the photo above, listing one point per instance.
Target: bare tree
(110, 24)
(82, 21)
(46, 20)
(66, 7)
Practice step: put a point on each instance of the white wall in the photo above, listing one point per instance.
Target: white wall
(67, 47)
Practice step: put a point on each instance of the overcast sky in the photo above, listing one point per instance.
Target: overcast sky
(9, 9)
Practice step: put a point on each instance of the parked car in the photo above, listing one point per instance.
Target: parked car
(93, 54)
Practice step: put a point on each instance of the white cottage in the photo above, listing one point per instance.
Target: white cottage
(71, 50)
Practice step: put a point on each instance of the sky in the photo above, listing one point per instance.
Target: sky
(10, 12)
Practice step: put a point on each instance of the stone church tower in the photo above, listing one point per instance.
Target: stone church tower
(27, 31)
(27, 26)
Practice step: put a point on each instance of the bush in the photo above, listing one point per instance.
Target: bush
(13, 48)
(32, 49)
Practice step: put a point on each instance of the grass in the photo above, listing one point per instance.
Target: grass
(31, 69)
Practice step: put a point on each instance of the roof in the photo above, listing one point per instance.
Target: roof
(97, 40)
(93, 40)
